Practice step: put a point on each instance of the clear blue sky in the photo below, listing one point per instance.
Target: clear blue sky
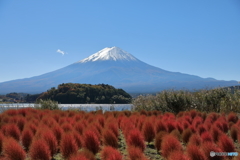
(199, 37)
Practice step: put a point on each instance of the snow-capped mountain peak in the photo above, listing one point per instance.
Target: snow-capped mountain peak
(113, 53)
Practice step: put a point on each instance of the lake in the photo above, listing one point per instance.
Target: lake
(84, 107)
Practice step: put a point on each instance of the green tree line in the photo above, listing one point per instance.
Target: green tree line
(75, 93)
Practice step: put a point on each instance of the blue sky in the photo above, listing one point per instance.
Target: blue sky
(198, 37)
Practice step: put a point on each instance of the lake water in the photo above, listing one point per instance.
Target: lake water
(84, 107)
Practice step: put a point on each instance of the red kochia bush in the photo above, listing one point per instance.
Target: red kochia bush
(216, 132)
(88, 154)
(51, 140)
(13, 131)
(110, 139)
(135, 153)
(136, 139)
(114, 128)
(177, 155)
(39, 150)
(78, 139)
(170, 144)
(206, 136)
(232, 117)
(207, 147)
(187, 133)
(171, 125)
(13, 150)
(58, 131)
(158, 139)
(179, 127)
(32, 127)
(91, 141)
(159, 126)
(79, 127)
(67, 127)
(78, 157)
(27, 136)
(1, 141)
(68, 145)
(234, 131)
(194, 153)
(109, 153)
(195, 140)
(226, 144)
(148, 131)
(20, 123)
(201, 129)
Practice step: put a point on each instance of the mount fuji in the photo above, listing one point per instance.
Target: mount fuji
(116, 67)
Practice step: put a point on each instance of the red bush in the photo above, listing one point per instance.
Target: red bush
(195, 139)
(179, 127)
(68, 145)
(187, 133)
(27, 137)
(58, 131)
(79, 127)
(194, 153)
(32, 127)
(114, 128)
(232, 117)
(78, 157)
(188, 119)
(159, 126)
(216, 132)
(101, 120)
(39, 150)
(110, 139)
(11, 112)
(219, 125)
(176, 134)
(207, 147)
(197, 121)
(171, 125)
(1, 142)
(91, 141)
(185, 124)
(51, 141)
(206, 136)
(177, 155)
(13, 131)
(234, 131)
(109, 153)
(88, 154)
(193, 113)
(136, 139)
(135, 153)
(225, 126)
(67, 127)
(148, 131)
(78, 139)
(201, 129)
(170, 144)
(158, 139)
(13, 150)
(20, 123)
(226, 144)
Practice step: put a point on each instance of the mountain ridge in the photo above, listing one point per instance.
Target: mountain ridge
(115, 67)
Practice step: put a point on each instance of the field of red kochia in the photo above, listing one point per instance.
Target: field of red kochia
(77, 135)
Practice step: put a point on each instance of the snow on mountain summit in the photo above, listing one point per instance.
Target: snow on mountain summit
(113, 53)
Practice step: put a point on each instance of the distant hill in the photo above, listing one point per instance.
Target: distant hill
(74, 93)
(115, 67)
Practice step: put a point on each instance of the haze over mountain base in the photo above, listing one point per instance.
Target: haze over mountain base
(115, 67)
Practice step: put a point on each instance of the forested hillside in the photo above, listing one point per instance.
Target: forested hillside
(75, 93)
